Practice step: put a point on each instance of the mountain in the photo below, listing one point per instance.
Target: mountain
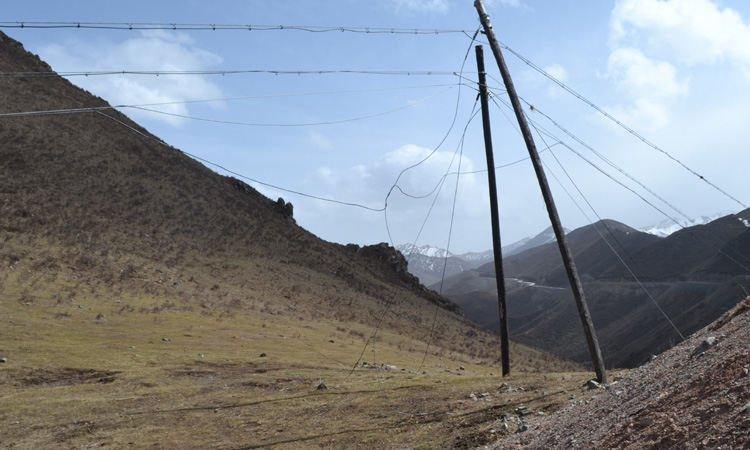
(91, 198)
(428, 267)
(694, 275)
(427, 262)
(542, 238)
(429, 251)
(669, 226)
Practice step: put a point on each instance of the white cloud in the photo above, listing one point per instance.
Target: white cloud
(432, 6)
(691, 31)
(317, 141)
(369, 184)
(642, 114)
(511, 3)
(651, 86)
(643, 77)
(150, 51)
(557, 71)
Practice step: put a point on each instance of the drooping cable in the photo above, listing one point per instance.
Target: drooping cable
(267, 124)
(169, 26)
(617, 255)
(198, 158)
(619, 123)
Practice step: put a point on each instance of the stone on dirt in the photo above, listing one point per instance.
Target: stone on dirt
(704, 346)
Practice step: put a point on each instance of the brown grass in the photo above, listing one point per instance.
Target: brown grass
(88, 368)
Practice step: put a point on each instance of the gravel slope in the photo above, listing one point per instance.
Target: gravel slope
(693, 396)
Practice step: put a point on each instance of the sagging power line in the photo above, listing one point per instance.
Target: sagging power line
(167, 26)
(229, 122)
(622, 125)
(52, 74)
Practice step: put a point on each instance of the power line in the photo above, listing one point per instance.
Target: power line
(609, 162)
(184, 116)
(575, 185)
(450, 235)
(592, 164)
(619, 123)
(442, 141)
(297, 94)
(390, 237)
(52, 74)
(55, 112)
(198, 158)
(130, 26)
(538, 127)
(266, 124)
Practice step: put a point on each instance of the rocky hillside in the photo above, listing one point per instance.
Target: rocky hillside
(696, 395)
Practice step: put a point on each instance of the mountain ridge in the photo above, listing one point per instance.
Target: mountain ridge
(691, 276)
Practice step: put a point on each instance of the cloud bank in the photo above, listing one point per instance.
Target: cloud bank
(151, 51)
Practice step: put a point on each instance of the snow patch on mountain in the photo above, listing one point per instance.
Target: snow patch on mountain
(669, 226)
(425, 250)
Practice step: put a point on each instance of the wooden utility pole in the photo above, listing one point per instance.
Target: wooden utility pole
(567, 256)
(496, 246)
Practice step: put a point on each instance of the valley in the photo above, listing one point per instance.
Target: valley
(646, 293)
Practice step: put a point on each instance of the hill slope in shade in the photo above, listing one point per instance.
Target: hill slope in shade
(694, 276)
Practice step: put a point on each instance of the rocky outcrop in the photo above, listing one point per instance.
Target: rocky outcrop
(397, 263)
(286, 210)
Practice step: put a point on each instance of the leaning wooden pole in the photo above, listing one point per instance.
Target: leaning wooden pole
(567, 256)
(496, 245)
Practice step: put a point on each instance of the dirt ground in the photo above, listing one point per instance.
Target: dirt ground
(694, 396)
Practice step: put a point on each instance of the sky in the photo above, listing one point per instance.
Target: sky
(633, 101)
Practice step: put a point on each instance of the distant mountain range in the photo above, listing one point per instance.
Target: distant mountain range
(693, 275)
(426, 262)
(669, 226)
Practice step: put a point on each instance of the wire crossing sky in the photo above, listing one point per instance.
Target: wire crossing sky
(384, 78)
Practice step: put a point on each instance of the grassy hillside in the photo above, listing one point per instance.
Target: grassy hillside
(94, 364)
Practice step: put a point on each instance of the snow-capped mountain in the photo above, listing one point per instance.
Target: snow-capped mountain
(424, 250)
(426, 262)
(478, 258)
(429, 263)
(669, 226)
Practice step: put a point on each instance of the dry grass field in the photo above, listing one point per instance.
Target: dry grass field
(97, 370)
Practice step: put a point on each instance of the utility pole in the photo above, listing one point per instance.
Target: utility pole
(567, 256)
(496, 246)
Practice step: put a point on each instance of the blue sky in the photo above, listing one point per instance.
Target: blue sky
(675, 71)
